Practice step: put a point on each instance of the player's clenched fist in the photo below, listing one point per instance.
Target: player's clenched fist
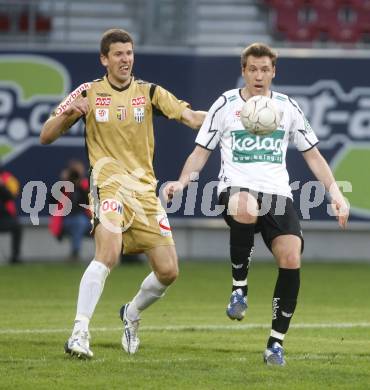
(170, 189)
(80, 106)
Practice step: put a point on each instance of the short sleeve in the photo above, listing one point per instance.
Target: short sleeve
(301, 132)
(209, 134)
(167, 104)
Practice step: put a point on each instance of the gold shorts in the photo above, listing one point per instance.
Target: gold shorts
(141, 218)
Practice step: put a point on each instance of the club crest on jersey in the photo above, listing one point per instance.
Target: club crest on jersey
(102, 114)
(138, 101)
(236, 117)
(103, 101)
(139, 114)
(164, 225)
(111, 205)
(121, 113)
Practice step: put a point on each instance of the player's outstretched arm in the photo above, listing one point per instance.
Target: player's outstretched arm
(55, 126)
(193, 165)
(193, 119)
(322, 172)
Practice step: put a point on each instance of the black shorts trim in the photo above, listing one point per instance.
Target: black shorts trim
(278, 215)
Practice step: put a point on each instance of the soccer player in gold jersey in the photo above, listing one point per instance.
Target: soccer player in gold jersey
(118, 113)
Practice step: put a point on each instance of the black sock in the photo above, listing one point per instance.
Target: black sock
(284, 302)
(272, 340)
(241, 248)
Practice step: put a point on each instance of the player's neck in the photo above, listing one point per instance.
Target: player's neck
(115, 83)
(246, 94)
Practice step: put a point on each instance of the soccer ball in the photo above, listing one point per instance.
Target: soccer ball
(260, 115)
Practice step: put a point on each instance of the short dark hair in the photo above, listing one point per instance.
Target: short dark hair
(112, 36)
(258, 50)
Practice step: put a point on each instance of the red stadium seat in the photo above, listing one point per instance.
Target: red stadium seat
(296, 22)
(4, 23)
(338, 20)
(345, 33)
(326, 14)
(342, 21)
(286, 3)
(23, 22)
(42, 23)
(347, 28)
(364, 17)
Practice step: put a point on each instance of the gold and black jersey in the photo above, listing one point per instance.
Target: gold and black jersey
(119, 127)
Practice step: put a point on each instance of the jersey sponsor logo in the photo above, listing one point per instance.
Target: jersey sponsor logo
(71, 98)
(103, 94)
(138, 101)
(111, 205)
(139, 114)
(102, 114)
(249, 148)
(103, 101)
(164, 225)
(237, 113)
(121, 113)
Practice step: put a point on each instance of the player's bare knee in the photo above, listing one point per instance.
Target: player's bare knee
(244, 218)
(168, 275)
(114, 260)
(290, 260)
(171, 275)
(243, 208)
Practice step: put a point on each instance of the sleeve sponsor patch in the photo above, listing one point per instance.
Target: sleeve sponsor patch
(70, 98)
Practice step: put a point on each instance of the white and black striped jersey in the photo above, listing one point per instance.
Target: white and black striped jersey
(255, 162)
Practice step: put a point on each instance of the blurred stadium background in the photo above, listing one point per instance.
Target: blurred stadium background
(48, 48)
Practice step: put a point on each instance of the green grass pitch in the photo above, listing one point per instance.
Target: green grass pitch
(187, 342)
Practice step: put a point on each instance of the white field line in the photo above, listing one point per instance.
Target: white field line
(184, 328)
(140, 361)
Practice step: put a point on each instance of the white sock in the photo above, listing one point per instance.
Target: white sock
(91, 288)
(150, 291)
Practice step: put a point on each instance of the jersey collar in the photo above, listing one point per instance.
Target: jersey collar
(117, 88)
(241, 95)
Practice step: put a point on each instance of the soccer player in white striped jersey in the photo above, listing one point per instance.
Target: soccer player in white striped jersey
(254, 188)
